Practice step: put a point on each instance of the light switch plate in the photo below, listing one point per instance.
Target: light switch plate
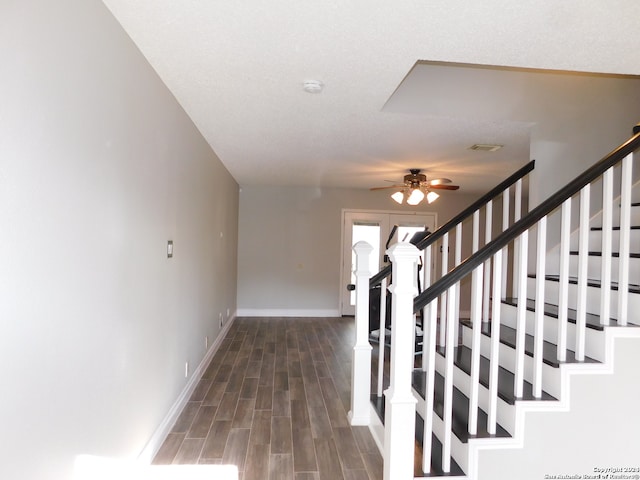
(170, 249)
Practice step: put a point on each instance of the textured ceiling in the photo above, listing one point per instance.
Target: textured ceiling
(400, 91)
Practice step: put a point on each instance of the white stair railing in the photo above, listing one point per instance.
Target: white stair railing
(451, 237)
(448, 312)
(487, 289)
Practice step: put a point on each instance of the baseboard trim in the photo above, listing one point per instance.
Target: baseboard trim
(283, 312)
(155, 442)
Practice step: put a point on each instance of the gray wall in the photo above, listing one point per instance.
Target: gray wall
(99, 167)
(284, 228)
(598, 114)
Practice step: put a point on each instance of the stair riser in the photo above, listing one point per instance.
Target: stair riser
(505, 412)
(595, 264)
(550, 376)
(594, 296)
(595, 240)
(596, 221)
(552, 292)
(594, 345)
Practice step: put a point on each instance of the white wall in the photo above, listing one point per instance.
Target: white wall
(595, 114)
(599, 431)
(99, 167)
(281, 228)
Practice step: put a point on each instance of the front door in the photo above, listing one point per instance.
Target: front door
(374, 228)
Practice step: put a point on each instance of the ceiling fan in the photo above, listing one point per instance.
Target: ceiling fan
(416, 187)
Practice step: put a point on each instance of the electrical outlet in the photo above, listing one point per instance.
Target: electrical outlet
(206, 342)
(220, 319)
(186, 369)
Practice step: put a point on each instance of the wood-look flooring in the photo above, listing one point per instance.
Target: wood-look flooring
(274, 402)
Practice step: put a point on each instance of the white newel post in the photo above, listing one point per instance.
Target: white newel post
(361, 365)
(400, 404)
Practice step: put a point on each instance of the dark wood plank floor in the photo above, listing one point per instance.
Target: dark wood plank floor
(274, 402)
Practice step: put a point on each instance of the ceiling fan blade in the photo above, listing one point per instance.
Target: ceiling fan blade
(439, 181)
(390, 186)
(443, 187)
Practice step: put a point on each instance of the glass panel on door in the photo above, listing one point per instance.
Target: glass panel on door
(375, 228)
(370, 233)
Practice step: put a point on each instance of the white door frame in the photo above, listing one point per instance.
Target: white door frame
(387, 219)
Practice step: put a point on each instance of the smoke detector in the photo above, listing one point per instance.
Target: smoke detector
(485, 147)
(312, 86)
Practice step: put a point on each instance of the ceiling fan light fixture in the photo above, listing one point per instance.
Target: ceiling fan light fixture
(432, 197)
(398, 197)
(416, 197)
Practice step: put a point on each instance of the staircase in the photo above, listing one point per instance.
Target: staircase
(543, 378)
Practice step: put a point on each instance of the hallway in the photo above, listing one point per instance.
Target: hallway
(274, 402)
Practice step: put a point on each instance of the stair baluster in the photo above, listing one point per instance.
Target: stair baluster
(505, 250)
(625, 233)
(522, 250)
(444, 248)
(607, 226)
(487, 265)
(495, 343)
(539, 308)
(382, 338)
(583, 257)
(563, 296)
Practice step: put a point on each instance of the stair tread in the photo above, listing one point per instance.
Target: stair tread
(436, 455)
(506, 379)
(599, 229)
(460, 416)
(551, 310)
(549, 350)
(436, 446)
(591, 282)
(599, 254)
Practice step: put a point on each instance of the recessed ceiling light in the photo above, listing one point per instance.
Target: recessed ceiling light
(485, 147)
(312, 86)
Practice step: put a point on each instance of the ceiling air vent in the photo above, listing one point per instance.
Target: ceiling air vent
(484, 147)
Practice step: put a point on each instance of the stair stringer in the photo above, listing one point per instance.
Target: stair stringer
(575, 442)
(491, 450)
